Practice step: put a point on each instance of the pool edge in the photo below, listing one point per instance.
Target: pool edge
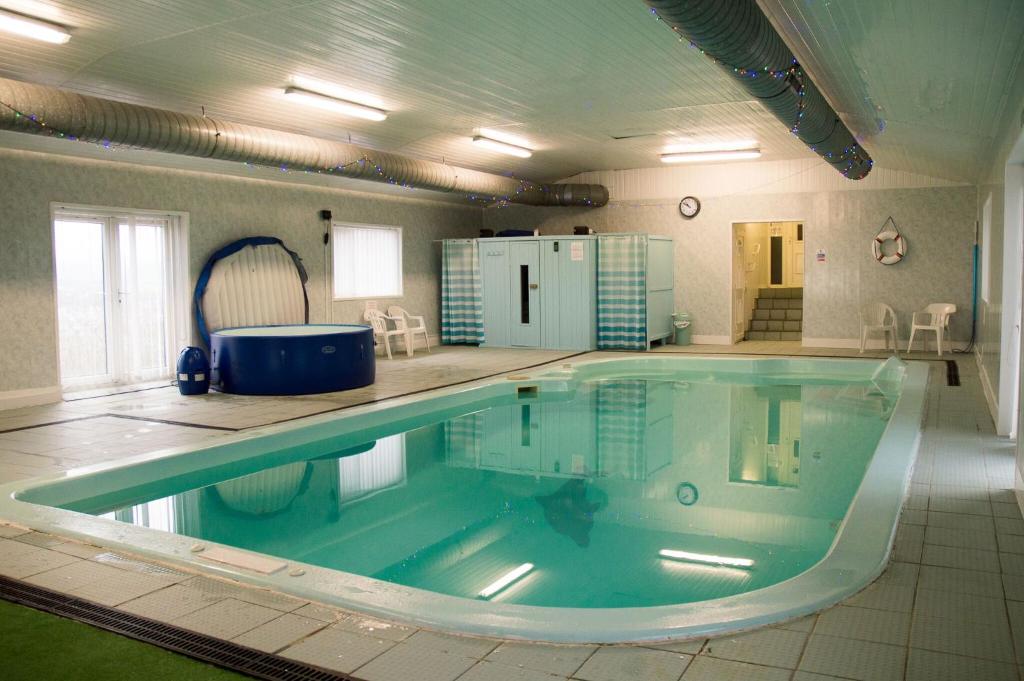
(840, 574)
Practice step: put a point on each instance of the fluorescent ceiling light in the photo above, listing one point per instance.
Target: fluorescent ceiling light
(705, 156)
(506, 579)
(705, 558)
(36, 29)
(341, 106)
(692, 147)
(503, 147)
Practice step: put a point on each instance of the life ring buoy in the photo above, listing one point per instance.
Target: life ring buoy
(895, 256)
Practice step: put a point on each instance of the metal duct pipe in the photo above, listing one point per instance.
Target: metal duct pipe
(739, 37)
(45, 110)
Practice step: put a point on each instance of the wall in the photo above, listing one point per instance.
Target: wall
(992, 317)
(841, 217)
(221, 209)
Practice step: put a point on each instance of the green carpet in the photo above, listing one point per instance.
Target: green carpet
(37, 645)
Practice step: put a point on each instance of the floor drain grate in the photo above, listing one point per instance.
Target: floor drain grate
(952, 373)
(224, 654)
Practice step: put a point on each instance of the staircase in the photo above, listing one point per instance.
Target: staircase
(778, 315)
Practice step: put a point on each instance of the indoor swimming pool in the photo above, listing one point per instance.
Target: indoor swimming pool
(612, 500)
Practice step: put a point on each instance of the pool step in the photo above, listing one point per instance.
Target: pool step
(778, 315)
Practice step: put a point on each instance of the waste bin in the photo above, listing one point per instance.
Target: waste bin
(193, 372)
(682, 323)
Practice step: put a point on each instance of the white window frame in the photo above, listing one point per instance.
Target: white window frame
(179, 222)
(986, 250)
(335, 226)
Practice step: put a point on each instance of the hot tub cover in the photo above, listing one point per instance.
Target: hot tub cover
(254, 281)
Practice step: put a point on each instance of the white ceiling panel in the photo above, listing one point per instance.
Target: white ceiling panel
(928, 84)
(570, 76)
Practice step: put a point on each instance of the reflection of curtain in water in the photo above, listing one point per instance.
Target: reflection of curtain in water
(373, 470)
(621, 428)
(463, 440)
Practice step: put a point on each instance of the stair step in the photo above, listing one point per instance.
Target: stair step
(794, 292)
(780, 303)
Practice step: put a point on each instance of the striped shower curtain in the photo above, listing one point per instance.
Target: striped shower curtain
(622, 428)
(462, 316)
(622, 292)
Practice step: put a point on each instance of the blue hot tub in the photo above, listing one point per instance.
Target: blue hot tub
(292, 360)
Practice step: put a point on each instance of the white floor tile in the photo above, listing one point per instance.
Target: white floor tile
(861, 660)
(227, 618)
(927, 665)
(337, 650)
(712, 669)
(633, 664)
(771, 647)
(559, 660)
(279, 633)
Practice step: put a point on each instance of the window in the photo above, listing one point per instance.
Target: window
(122, 294)
(367, 261)
(986, 250)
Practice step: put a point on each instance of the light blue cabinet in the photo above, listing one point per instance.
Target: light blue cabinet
(496, 292)
(541, 292)
(660, 287)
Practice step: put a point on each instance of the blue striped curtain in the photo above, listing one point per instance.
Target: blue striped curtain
(462, 312)
(622, 292)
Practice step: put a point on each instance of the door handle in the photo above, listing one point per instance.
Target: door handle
(534, 286)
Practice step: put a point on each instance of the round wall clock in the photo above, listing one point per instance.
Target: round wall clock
(689, 207)
(687, 494)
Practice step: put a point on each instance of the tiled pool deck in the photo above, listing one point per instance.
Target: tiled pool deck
(950, 606)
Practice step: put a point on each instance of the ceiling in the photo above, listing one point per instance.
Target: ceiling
(569, 76)
(931, 84)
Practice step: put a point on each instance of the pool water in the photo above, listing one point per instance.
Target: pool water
(620, 492)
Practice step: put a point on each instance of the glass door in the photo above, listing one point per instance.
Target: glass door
(84, 315)
(115, 299)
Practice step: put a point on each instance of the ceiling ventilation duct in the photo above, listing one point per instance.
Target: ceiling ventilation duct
(48, 111)
(738, 37)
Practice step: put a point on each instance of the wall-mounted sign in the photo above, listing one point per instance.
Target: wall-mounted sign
(819, 255)
(576, 250)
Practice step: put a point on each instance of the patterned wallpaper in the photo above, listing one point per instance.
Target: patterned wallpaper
(938, 223)
(221, 209)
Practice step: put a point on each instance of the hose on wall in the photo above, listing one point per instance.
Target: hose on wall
(43, 110)
(739, 38)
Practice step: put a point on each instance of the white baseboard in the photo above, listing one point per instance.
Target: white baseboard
(14, 399)
(845, 343)
(699, 339)
(877, 344)
(991, 399)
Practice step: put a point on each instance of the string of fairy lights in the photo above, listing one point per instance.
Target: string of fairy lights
(502, 200)
(794, 73)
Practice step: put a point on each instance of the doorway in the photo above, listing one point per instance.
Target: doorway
(767, 280)
(122, 295)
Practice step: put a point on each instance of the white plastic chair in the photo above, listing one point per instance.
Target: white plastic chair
(379, 322)
(935, 318)
(412, 324)
(875, 317)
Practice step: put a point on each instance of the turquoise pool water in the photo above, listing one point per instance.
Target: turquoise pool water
(614, 491)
